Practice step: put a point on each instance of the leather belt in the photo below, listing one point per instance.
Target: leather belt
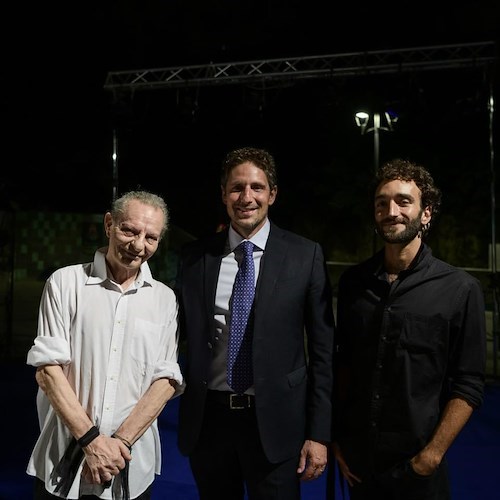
(231, 400)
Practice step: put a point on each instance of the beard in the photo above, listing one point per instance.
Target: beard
(410, 232)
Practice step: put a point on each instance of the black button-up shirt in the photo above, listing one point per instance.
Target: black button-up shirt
(403, 350)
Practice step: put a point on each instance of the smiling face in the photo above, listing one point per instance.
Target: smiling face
(399, 215)
(247, 196)
(133, 239)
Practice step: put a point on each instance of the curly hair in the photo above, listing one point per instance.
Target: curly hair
(259, 157)
(406, 170)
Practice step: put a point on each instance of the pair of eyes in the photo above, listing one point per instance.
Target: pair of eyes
(238, 188)
(404, 202)
(132, 233)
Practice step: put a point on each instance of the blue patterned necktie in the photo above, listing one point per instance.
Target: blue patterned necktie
(239, 354)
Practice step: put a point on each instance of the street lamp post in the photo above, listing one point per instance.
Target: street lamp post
(362, 119)
(114, 158)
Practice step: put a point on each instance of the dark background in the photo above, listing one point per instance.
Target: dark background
(58, 118)
(57, 122)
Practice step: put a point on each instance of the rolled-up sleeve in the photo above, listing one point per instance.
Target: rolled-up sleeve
(168, 366)
(49, 351)
(52, 345)
(468, 370)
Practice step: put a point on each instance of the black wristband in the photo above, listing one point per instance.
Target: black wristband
(88, 437)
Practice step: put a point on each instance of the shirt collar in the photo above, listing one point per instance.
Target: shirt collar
(259, 239)
(99, 271)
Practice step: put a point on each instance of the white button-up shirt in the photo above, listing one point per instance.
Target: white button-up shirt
(227, 276)
(113, 345)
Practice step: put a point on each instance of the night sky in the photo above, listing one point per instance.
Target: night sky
(58, 119)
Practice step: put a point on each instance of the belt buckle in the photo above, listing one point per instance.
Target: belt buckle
(239, 401)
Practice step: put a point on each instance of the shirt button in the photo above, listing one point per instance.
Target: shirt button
(210, 346)
(377, 396)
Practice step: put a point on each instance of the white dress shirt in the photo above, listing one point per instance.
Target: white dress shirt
(112, 345)
(227, 275)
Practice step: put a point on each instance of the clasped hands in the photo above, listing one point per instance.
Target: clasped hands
(105, 457)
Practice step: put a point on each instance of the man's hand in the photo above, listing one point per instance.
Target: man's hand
(313, 459)
(105, 457)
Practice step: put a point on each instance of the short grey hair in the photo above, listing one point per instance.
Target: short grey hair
(119, 205)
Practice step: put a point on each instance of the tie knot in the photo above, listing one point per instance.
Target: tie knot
(246, 248)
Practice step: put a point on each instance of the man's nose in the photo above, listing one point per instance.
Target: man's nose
(246, 194)
(138, 242)
(393, 209)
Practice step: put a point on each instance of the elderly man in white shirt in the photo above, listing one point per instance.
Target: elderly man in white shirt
(106, 357)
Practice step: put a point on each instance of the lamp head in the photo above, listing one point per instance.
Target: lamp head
(391, 118)
(361, 118)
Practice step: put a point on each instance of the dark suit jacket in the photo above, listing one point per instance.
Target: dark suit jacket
(292, 378)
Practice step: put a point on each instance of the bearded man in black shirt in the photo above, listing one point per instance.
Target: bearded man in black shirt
(411, 350)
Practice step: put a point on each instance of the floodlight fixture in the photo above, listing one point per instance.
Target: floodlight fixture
(391, 118)
(381, 121)
(362, 118)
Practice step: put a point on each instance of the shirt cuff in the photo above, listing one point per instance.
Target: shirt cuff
(49, 351)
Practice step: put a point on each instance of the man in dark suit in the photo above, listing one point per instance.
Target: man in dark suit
(265, 438)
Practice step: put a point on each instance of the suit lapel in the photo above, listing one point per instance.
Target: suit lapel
(213, 258)
(273, 259)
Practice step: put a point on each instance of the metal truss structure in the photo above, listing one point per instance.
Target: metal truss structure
(352, 64)
(480, 55)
